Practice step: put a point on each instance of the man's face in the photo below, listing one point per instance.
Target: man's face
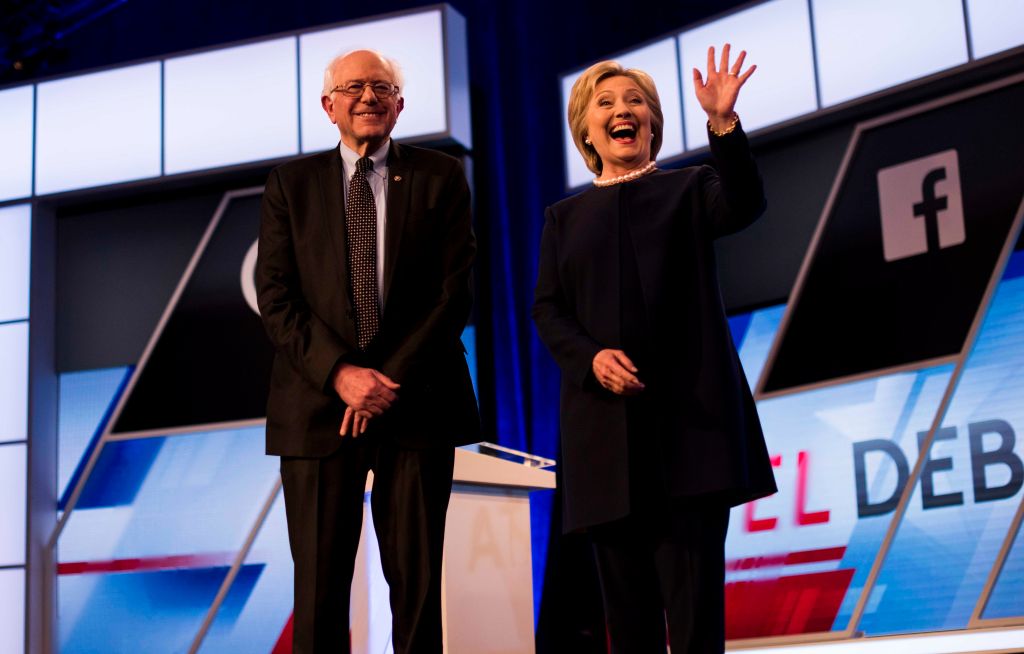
(364, 122)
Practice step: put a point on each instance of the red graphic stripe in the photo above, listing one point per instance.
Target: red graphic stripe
(779, 560)
(816, 556)
(788, 605)
(284, 641)
(146, 564)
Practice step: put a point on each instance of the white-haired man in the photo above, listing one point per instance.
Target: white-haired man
(364, 287)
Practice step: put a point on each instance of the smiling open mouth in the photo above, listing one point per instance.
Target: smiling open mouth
(623, 132)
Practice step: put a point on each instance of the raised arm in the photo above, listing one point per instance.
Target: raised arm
(733, 191)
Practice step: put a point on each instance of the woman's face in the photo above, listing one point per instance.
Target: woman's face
(619, 125)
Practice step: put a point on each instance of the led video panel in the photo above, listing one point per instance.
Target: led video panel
(12, 504)
(16, 136)
(13, 381)
(995, 25)
(259, 625)
(796, 561)
(230, 106)
(777, 37)
(97, 129)
(15, 249)
(970, 485)
(870, 45)
(915, 223)
(12, 617)
(659, 60)
(842, 455)
(85, 397)
(415, 41)
(1007, 599)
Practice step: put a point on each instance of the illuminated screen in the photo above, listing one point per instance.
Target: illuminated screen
(16, 135)
(192, 112)
(15, 250)
(230, 106)
(841, 455)
(995, 25)
(795, 561)
(782, 87)
(415, 41)
(877, 270)
(96, 129)
(12, 618)
(12, 504)
(13, 381)
(1009, 589)
(158, 525)
(659, 60)
(870, 45)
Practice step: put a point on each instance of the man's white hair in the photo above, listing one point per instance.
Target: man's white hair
(396, 71)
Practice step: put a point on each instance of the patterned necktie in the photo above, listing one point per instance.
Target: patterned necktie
(361, 232)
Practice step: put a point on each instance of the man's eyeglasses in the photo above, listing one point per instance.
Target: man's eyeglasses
(355, 89)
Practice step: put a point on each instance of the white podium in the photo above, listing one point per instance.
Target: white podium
(487, 587)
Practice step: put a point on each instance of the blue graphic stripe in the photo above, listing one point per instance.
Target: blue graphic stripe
(94, 441)
(738, 325)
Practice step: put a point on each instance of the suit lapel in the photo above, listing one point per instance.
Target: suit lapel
(333, 214)
(399, 194)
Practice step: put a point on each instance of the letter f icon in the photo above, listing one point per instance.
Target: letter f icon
(921, 205)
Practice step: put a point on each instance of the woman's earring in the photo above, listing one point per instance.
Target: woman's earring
(586, 139)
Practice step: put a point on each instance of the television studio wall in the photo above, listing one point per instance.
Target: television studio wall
(147, 187)
(158, 516)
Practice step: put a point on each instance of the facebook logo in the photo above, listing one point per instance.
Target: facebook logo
(921, 206)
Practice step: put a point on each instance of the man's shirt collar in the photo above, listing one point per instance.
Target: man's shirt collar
(378, 157)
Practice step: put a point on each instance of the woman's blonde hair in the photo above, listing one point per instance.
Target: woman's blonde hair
(582, 93)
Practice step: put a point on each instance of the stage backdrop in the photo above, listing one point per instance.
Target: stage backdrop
(155, 533)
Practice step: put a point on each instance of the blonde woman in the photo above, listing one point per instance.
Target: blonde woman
(660, 435)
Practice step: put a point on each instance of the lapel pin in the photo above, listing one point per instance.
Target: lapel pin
(397, 178)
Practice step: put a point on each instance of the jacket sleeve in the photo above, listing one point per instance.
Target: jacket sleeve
(442, 325)
(297, 332)
(733, 193)
(570, 345)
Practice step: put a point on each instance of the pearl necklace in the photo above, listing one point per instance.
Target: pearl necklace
(628, 177)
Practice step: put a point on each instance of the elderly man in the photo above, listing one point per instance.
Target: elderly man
(363, 281)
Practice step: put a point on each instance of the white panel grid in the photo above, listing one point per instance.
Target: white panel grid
(996, 25)
(870, 45)
(659, 60)
(16, 136)
(13, 381)
(777, 37)
(230, 106)
(12, 615)
(15, 252)
(415, 41)
(12, 504)
(97, 129)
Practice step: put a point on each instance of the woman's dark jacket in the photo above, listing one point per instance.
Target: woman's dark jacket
(708, 435)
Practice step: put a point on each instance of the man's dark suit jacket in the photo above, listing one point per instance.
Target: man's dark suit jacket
(305, 302)
(710, 440)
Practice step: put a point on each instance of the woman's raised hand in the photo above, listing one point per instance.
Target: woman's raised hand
(717, 94)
